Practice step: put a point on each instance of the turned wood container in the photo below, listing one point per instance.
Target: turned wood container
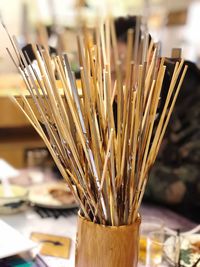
(106, 246)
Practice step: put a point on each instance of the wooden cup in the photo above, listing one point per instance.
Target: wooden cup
(106, 246)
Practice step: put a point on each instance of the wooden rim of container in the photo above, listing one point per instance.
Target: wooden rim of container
(137, 222)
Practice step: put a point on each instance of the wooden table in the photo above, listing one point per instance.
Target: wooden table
(29, 221)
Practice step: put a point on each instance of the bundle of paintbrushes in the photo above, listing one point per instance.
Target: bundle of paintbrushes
(105, 136)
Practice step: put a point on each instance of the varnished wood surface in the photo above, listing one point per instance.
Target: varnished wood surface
(13, 85)
(106, 246)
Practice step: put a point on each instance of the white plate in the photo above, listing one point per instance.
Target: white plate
(40, 196)
(12, 242)
(190, 253)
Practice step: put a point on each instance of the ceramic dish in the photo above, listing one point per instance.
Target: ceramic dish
(15, 202)
(52, 195)
(189, 252)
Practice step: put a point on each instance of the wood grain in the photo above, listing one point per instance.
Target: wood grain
(106, 246)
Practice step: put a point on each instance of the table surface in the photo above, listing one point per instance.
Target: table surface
(29, 221)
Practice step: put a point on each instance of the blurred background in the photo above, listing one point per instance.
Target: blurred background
(173, 23)
(24, 159)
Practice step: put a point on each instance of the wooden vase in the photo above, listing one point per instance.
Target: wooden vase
(106, 246)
